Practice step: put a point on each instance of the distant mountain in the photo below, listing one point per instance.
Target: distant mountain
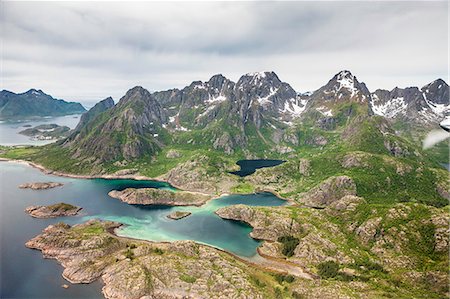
(34, 103)
(257, 113)
(426, 105)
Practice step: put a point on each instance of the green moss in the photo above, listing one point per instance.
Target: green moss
(188, 278)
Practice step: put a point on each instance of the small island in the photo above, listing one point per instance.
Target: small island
(152, 196)
(56, 210)
(177, 215)
(40, 186)
(46, 132)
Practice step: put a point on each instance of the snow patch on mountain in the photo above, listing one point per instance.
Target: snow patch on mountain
(323, 110)
(389, 109)
(294, 107)
(215, 100)
(265, 100)
(346, 80)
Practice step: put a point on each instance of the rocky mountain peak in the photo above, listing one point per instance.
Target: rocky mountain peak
(437, 92)
(258, 79)
(35, 92)
(343, 87)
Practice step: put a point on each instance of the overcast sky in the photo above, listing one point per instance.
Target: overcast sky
(87, 51)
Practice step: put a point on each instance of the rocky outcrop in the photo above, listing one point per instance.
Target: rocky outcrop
(369, 230)
(328, 192)
(152, 196)
(40, 186)
(270, 224)
(266, 226)
(346, 203)
(173, 154)
(200, 175)
(355, 159)
(178, 215)
(304, 167)
(56, 210)
(138, 269)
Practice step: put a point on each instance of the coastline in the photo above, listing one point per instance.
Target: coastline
(251, 261)
(258, 260)
(45, 170)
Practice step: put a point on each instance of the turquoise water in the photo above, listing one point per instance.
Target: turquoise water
(24, 274)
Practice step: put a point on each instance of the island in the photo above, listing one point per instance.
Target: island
(46, 132)
(152, 196)
(90, 251)
(40, 186)
(52, 211)
(177, 215)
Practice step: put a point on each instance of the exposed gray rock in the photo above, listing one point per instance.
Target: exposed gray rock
(40, 186)
(172, 154)
(56, 210)
(152, 196)
(369, 230)
(304, 167)
(328, 192)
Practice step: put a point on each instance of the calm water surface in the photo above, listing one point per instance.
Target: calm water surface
(249, 166)
(9, 130)
(24, 274)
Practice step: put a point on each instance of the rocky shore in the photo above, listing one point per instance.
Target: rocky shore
(132, 269)
(152, 196)
(178, 215)
(56, 210)
(40, 186)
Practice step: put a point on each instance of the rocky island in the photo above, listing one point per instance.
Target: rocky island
(46, 132)
(152, 196)
(40, 186)
(56, 210)
(177, 215)
(133, 269)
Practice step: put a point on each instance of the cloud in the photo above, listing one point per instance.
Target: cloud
(90, 50)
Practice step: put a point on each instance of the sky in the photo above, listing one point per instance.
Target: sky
(87, 51)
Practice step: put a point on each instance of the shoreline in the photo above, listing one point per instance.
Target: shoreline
(246, 260)
(47, 171)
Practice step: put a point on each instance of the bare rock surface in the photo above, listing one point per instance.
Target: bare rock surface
(132, 269)
(178, 215)
(194, 175)
(152, 196)
(40, 186)
(328, 192)
(56, 210)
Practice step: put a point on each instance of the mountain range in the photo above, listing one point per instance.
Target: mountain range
(34, 103)
(258, 113)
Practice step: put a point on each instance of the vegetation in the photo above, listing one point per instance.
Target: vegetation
(328, 269)
(188, 278)
(289, 244)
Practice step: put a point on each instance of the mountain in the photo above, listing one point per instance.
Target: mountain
(259, 115)
(363, 196)
(427, 105)
(128, 130)
(335, 102)
(34, 103)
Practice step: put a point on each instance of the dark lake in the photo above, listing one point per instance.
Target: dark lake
(249, 166)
